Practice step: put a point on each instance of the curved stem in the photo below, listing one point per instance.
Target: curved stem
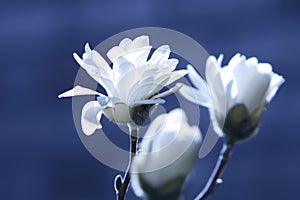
(215, 176)
(133, 147)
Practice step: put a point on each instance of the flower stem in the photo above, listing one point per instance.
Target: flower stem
(133, 147)
(214, 179)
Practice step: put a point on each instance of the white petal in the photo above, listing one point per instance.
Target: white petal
(125, 44)
(172, 63)
(104, 101)
(160, 55)
(139, 42)
(231, 94)
(114, 53)
(237, 58)
(175, 75)
(147, 102)
(138, 57)
(196, 79)
(195, 95)
(77, 91)
(276, 82)
(215, 85)
(90, 117)
(252, 83)
(96, 67)
(168, 92)
(121, 67)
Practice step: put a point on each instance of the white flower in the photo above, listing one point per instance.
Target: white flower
(132, 82)
(168, 151)
(236, 94)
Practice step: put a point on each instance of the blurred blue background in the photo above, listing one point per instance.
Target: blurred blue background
(41, 155)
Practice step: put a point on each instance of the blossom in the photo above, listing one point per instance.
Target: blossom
(132, 84)
(168, 151)
(236, 94)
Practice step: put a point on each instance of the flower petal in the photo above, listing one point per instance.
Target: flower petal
(90, 117)
(252, 82)
(147, 102)
(195, 95)
(139, 42)
(175, 75)
(276, 82)
(168, 92)
(77, 91)
(160, 55)
(215, 85)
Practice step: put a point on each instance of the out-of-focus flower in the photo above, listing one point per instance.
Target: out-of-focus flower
(132, 84)
(168, 151)
(236, 94)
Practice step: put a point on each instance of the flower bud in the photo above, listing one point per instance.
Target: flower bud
(235, 94)
(168, 151)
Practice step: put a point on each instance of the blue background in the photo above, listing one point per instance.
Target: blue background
(41, 155)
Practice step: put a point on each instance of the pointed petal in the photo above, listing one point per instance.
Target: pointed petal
(168, 92)
(175, 75)
(199, 83)
(104, 101)
(276, 82)
(172, 63)
(147, 102)
(215, 85)
(77, 91)
(160, 55)
(125, 44)
(195, 95)
(139, 42)
(90, 117)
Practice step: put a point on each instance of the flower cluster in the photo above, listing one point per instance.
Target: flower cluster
(236, 96)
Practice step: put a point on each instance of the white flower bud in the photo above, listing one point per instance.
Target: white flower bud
(168, 151)
(236, 94)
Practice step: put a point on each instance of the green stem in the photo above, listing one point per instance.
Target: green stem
(216, 174)
(133, 147)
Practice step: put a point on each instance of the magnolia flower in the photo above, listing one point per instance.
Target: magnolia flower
(132, 84)
(168, 151)
(236, 94)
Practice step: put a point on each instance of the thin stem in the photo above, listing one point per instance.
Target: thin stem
(133, 147)
(215, 176)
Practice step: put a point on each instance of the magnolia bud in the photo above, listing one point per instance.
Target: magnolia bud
(168, 151)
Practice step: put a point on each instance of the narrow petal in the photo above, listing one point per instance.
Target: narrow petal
(175, 75)
(78, 90)
(104, 101)
(195, 95)
(147, 102)
(172, 63)
(96, 67)
(168, 92)
(90, 117)
(199, 83)
(215, 85)
(160, 55)
(276, 82)
(195, 78)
